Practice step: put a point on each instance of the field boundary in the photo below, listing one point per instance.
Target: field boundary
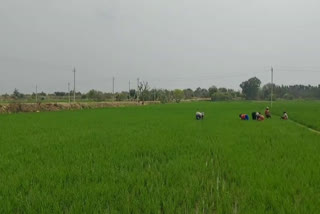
(48, 107)
(305, 126)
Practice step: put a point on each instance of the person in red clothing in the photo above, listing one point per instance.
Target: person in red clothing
(260, 117)
(267, 113)
(244, 116)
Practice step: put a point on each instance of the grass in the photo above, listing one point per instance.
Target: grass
(158, 159)
(304, 112)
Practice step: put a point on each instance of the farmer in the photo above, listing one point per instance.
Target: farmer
(260, 117)
(284, 116)
(199, 115)
(254, 115)
(267, 113)
(244, 116)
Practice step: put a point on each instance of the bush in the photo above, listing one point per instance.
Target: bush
(288, 96)
(221, 96)
(163, 99)
(122, 96)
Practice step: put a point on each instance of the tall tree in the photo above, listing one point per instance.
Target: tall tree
(188, 93)
(178, 95)
(213, 89)
(133, 94)
(250, 88)
(143, 91)
(16, 94)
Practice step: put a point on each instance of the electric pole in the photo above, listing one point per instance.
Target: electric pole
(74, 84)
(69, 93)
(138, 82)
(113, 85)
(36, 93)
(271, 85)
(129, 97)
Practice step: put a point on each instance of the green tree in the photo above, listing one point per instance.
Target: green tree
(221, 96)
(188, 93)
(133, 94)
(223, 90)
(178, 95)
(143, 89)
(95, 95)
(122, 96)
(201, 93)
(213, 89)
(17, 95)
(153, 94)
(266, 91)
(250, 88)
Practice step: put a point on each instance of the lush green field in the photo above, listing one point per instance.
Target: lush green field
(159, 159)
(304, 112)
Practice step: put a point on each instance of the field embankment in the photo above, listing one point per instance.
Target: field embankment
(41, 107)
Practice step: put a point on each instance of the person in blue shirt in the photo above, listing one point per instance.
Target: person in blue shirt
(244, 116)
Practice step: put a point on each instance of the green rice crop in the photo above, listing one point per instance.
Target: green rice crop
(158, 159)
(304, 112)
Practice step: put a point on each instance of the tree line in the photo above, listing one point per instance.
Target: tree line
(251, 89)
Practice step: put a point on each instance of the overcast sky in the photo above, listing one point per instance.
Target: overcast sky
(169, 43)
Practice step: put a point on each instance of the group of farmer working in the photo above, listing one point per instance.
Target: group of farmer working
(260, 117)
(255, 115)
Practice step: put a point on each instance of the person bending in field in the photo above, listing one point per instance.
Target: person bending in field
(199, 115)
(260, 117)
(255, 115)
(284, 116)
(244, 116)
(267, 113)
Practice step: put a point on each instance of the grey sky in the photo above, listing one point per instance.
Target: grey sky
(169, 43)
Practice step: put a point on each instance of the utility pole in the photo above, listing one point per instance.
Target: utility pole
(271, 85)
(36, 93)
(129, 97)
(74, 84)
(138, 83)
(113, 85)
(129, 86)
(69, 93)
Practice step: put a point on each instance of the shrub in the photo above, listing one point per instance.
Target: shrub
(221, 96)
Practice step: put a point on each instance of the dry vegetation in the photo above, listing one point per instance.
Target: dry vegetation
(41, 107)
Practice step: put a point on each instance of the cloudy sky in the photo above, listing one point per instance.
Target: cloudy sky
(169, 43)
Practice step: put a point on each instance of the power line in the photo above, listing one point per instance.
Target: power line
(298, 71)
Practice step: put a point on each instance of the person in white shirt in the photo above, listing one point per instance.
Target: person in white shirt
(285, 116)
(199, 115)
